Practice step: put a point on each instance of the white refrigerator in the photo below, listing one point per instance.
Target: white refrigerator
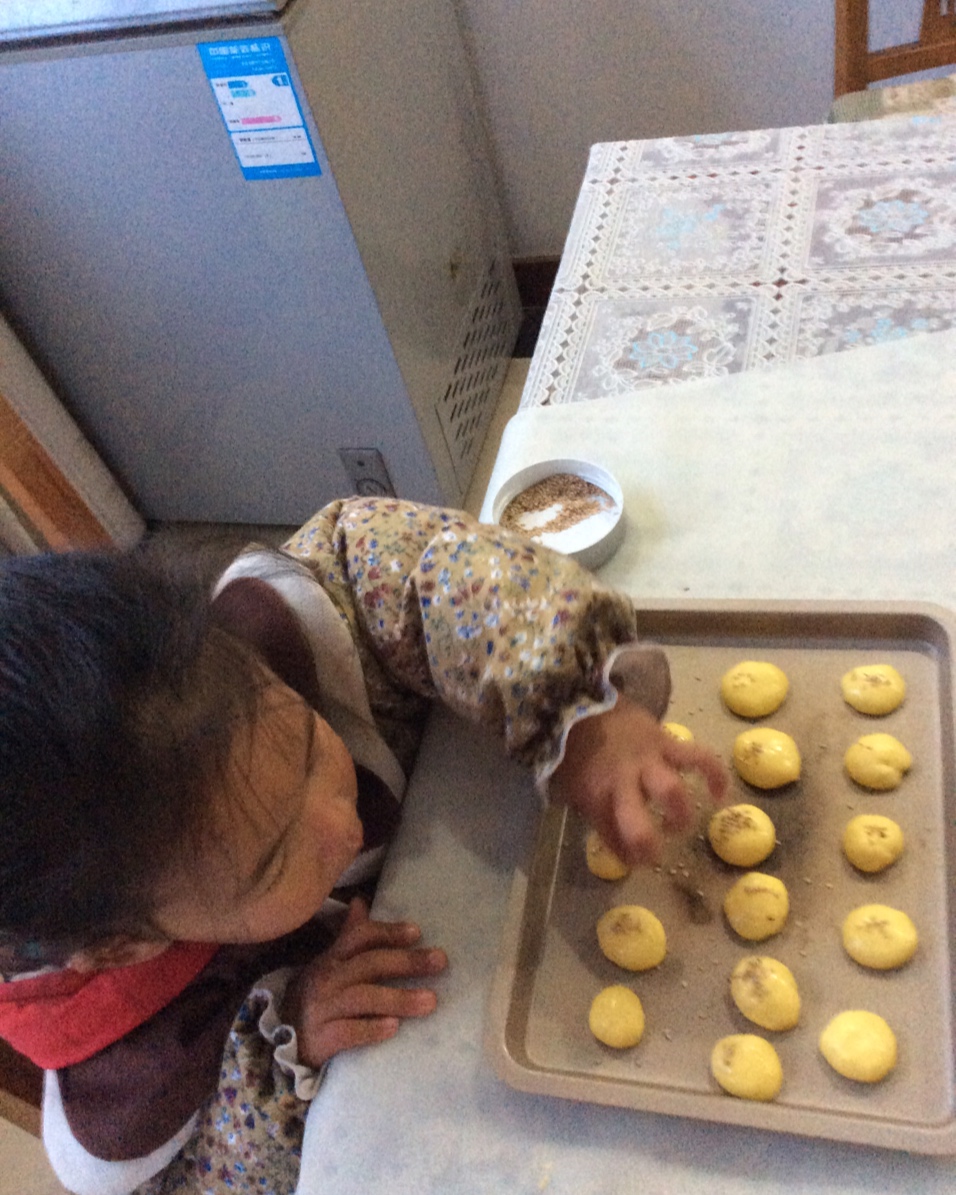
(255, 247)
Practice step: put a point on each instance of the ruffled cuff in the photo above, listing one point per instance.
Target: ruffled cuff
(282, 1037)
(638, 670)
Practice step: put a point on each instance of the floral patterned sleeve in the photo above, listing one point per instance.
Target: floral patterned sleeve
(503, 631)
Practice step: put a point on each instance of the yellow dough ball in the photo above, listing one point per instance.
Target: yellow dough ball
(632, 937)
(601, 860)
(859, 1045)
(747, 1066)
(757, 906)
(676, 730)
(879, 937)
(754, 689)
(877, 761)
(873, 688)
(742, 835)
(765, 991)
(766, 758)
(872, 842)
(617, 1017)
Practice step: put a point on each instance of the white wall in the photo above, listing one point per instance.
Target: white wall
(555, 76)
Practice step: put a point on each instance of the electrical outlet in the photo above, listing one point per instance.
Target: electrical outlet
(367, 473)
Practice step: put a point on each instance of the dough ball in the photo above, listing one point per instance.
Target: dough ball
(632, 937)
(601, 860)
(877, 761)
(754, 689)
(879, 937)
(676, 730)
(872, 842)
(766, 758)
(873, 688)
(747, 1066)
(859, 1045)
(617, 1017)
(742, 835)
(765, 991)
(757, 906)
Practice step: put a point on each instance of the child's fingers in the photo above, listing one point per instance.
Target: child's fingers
(692, 757)
(324, 977)
(334, 1037)
(664, 789)
(659, 787)
(378, 1000)
(356, 916)
(358, 1014)
(360, 935)
(310, 1000)
(374, 966)
(632, 833)
(373, 935)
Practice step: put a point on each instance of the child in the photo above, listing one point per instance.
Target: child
(194, 793)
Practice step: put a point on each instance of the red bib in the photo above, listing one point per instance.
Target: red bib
(67, 1016)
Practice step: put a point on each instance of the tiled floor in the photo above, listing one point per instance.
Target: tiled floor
(24, 1169)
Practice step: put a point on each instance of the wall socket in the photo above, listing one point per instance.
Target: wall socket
(367, 473)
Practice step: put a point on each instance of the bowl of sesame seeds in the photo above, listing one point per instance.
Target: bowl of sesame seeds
(575, 507)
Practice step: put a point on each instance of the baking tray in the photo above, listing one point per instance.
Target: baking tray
(550, 966)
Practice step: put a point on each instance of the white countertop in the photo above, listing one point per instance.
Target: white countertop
(425, 1114)
(829, 478)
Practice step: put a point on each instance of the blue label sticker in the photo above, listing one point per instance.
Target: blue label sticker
(251, 82)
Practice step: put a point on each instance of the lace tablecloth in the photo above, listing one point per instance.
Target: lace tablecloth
(693, 257)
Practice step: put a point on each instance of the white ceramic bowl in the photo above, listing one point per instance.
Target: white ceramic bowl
(591, 541)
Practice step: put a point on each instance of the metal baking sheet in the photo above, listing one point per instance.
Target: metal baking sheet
(551, 967)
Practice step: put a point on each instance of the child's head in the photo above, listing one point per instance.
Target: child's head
(283, 827)
(134, 740)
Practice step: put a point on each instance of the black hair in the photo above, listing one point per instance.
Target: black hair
(120, 699)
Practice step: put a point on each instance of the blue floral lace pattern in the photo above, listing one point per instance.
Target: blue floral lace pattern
(698, 256)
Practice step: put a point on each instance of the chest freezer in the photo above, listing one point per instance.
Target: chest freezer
(240, 238)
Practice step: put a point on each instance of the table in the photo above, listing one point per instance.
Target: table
(827, 477)
(691, 257)
(425, 1113)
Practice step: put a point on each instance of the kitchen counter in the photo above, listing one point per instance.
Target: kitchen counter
(826, 478)
(741, 266)
(425, 1112)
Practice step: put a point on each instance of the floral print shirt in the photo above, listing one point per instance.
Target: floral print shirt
(501, 630)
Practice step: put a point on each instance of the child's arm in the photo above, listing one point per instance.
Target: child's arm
(517, 637)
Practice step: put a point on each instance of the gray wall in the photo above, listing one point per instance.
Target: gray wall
(555, 76)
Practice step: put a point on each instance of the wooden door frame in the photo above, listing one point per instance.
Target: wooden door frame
(51, 505)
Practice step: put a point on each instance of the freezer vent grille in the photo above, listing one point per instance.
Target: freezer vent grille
(469, 400)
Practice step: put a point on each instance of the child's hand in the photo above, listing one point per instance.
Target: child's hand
(618, 765)
(340, 1000)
